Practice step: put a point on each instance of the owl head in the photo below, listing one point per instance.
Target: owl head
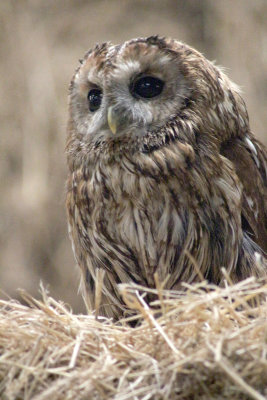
(144, 85)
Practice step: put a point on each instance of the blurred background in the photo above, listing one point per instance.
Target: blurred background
(40, 44)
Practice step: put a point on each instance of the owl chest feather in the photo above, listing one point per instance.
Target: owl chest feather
(143, 215)
(136, 216)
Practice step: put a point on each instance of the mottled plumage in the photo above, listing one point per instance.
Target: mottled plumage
(161, 182)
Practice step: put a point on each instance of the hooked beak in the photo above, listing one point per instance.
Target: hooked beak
(112, 120)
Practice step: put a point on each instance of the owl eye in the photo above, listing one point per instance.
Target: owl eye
(94, 99)
(147, 87)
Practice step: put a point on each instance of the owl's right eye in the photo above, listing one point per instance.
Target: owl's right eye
(94, 98)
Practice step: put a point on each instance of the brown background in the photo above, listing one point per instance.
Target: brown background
(40, 44)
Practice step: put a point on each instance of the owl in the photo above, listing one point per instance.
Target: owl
(164, 176)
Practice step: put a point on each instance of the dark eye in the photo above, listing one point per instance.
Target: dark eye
(94, 99)
(147, 87)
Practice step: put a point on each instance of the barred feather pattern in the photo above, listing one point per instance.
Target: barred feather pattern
(167, 199)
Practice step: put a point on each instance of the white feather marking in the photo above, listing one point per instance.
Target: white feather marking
(251, 145)
(126, 69)
(254, 151)
(250, 202)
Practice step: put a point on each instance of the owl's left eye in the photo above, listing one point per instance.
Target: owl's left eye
(94, 98)
(147, 87)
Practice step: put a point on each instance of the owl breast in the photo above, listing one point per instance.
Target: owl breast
(134, 216)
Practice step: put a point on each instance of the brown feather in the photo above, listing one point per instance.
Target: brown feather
(251, 170)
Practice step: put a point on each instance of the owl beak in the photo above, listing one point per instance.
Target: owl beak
(112, 120)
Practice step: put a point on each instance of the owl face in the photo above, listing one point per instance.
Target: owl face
(138, 89)
(133, 88)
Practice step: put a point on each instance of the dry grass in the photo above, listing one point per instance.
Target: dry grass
(205, 343)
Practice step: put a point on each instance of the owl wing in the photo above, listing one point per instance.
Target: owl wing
(249, 158)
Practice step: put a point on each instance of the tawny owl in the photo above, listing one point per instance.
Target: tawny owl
(164, 172)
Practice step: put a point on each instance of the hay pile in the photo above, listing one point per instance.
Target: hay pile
(206, 343)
